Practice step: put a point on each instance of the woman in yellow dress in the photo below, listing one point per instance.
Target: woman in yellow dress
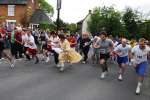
(67, 54)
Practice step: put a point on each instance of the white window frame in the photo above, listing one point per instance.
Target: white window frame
(33, 1)
(11, 10)
(10, 22)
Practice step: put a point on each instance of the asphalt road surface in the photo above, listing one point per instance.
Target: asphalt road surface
(28, 81)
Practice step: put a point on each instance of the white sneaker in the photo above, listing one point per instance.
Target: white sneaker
(62, 67)
(47, 60)
(130, 64)
(103, 75)
(12, 65)
(83, 62)
(120, 78)
(2, 59)
(138, 89)
(58, 65)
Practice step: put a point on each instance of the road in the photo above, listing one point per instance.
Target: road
(28, 81)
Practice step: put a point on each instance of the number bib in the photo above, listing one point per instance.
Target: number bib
(103, 51)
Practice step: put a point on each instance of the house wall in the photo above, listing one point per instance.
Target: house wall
(20, 11)
(85, 24)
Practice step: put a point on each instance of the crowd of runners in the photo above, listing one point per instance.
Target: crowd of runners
(71, 48)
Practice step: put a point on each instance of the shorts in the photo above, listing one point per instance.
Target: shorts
(141, 68)
(96, 51)
(122, 60)
(32, 51)
(104, 56)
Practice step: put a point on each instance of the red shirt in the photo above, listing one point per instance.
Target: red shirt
(72, 41)
(18, 37)
(3, 32)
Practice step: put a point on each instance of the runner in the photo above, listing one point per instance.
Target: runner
(32, 48)
(4, 54)
(16, 43)
(46, 48)
(85, 43)
(122, 52)
(72, 40)
(24, 42)
(67, 53)
(105, 46)
(55, 41)
(95, 56)
(140, 55)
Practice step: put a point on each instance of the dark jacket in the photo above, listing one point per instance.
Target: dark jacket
(85, 41)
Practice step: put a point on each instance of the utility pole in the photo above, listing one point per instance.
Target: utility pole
(58, 13)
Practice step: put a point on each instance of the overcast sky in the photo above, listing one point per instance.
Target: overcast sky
(76, 10)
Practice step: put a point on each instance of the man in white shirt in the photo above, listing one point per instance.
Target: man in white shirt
(122, 52)
(95, 56)
(32, 48)
(24, 42)
(140, 55)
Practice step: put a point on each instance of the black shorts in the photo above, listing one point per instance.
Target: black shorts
(104, 56)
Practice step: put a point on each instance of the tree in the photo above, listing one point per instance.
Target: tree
(71, 27)
(144, 29)
(131, 20)
(46, 6)
(47, 26)
(105, 18)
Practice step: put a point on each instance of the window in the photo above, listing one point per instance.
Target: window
(11, 10)
(10, 24)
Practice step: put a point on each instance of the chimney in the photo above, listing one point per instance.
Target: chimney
(90, 11)
(36, 4)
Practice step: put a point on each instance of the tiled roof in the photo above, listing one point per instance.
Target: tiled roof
(6, 2)
(39, 16)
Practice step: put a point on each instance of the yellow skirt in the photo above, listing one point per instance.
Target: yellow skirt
(71, 55)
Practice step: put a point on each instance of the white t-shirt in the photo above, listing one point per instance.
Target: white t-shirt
(115, 43)
(31, 40)
(140, 55)
(25, 39)
(54, 40)
(123, 51)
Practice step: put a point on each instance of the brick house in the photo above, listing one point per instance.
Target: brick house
(17, 11)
